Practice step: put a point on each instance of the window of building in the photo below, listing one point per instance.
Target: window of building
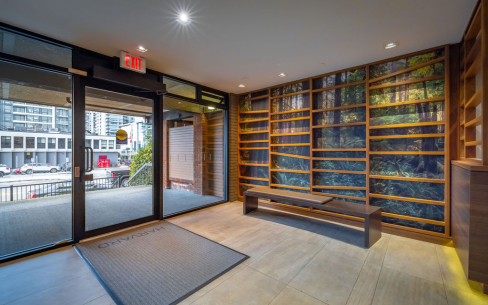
(111, 144)
(51, 143)
(19, 124)
(8, 109)
(61, 143)
(18, 142)
(69, 143)
(87, 143)
(96, 144)
(19, 109)
(179, 88)
(41, 142)
(6, 142)
(104, 144)
(19, 117)
(30, 142)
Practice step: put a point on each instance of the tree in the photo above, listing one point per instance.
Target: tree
(143, 156)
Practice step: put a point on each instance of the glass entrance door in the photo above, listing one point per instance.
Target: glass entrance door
(118, 174)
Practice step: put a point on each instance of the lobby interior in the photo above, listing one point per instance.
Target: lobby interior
(375, 105)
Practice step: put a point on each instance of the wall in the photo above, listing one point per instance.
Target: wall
(371, 134)
(233, 138)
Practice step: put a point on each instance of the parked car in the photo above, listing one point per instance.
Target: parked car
(17, 171)
(30, 168)
(4, 170)
(126, 162)
(121, 176)
(66, 167)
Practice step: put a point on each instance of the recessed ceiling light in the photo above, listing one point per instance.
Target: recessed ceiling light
(241, 86)
(282, 74)
(183, 18)
(142, 49)
(391, 45)
(211, 108)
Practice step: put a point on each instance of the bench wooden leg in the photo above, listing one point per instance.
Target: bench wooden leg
(250, 204)
(372, 229)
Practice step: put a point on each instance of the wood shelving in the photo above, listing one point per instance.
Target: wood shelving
(339, 107)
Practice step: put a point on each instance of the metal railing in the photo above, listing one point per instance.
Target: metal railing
(144, 176)
(52, 189)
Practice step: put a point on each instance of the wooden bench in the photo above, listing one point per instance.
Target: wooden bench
(371, 214)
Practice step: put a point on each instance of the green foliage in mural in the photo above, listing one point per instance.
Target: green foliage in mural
(417, 166)
(407, 130)
(255, 182)
(292, 150)
(407, 144)
(294, 102)
(254, 126)
(414, 224)
(252, 116)
(339, 78)
(252, 156)
(254, 105)
(254, 171)
(410, 92)
(291, 139)
(410, 189)
(290, 126)
(351, 115)
(339, 154)
(352, 95)
(353, 193)
(293, 115)
(331, 179)
(284, 162)
(291, 88)
(340, 137)
(292, 179)
(405, 114)
(358, 166)
(407, 208)
(254, 94)
(254, 136)
(432, 70)
(403, 63)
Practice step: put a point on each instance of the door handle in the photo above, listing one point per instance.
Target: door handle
(90, 154)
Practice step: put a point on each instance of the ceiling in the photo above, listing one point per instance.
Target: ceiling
(249, 42)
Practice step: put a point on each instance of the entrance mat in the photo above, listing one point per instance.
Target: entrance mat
(156, 264)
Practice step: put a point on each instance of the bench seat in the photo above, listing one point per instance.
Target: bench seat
(371, 214)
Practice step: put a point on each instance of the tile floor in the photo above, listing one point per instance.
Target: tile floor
(294, 260)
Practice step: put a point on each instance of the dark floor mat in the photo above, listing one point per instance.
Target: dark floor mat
(157, 264)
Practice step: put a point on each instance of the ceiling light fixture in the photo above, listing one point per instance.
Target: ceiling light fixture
(141, 49)
(183, 18)
(282, 74)
(211, 108)
(390, 45)
(241, 86)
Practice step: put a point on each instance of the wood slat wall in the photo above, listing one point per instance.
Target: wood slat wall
(295, 126)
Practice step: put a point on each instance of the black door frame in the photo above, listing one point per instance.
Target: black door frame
(79, 202)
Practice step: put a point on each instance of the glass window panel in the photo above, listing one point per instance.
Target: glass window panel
(62, 143)
(293, 115)
(69, 143)
(304, 138)
(254, 137)
(96, 144)
(291, 88)
(254, 94)
(51, 143)
(287, 103)
(18, 142)
(252, 156)
(104, 144)
(22, 46)
(292, 150)
(406, 130)
(432, 70)
(353, 193)
(253, 116)
(87, 143)
(254, 105)
(256, 144)
(254, 126)
(339, 154)
(414, 224)
(179, 88)
(6, 142)
(111, 144)
(407, 208)
(357, 166)
(339, 78)
(30, 142)
(290, 127)
(41, 142)
(254, 182)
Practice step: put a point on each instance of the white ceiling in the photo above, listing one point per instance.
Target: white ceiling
(230, 42)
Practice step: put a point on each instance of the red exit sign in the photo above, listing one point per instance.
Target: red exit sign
(132, 62)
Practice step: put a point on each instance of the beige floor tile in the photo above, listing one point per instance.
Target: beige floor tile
(257, 244)
(42, 277)
(291, 296)
(376, 254)
(227, 229)
(247, 287)
(195, 296)
(414, 258)
(399, 288)
(311, 237)
(363, 291)
(458, 297)
(78, 291)
(452, 270)
(285, 260)
(329, 277)
(349, 241)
